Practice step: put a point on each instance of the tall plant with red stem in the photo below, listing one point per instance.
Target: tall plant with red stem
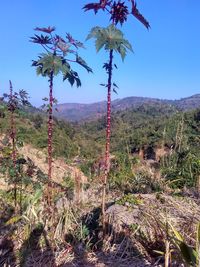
(59, 53)
(112, 39)
(14, 101)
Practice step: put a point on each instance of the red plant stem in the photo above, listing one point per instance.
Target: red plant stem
(13, 138)
(108, 132)
(13, 133)
(50, 133)
(13, 130)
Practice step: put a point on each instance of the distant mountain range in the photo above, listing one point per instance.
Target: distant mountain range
(82, 112)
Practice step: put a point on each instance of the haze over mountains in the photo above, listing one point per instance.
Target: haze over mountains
(81, 112)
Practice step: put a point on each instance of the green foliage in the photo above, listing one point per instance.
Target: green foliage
(68, 182)
(81, 233)
(123, 177)
(132, 130)
(110, 38)
(134, 227)
(48, 63)
(181, 169)
(38, 121)
(82, 62)
(85, 167)
(54, 61)
(13, 220)
(32, 209)
(129, 199)
(189, 254)
(151, 126)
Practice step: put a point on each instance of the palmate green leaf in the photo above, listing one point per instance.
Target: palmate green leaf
(72, 78)
(99, 43)
(82, 62)
(122, 52)
(110, 38)
(53, 61)
(65, 67)
(100, 35)
(39, 71)
(127, 45)
(94, 32)
(49, 62)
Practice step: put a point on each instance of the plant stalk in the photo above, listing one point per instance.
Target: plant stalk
(50, 134)
(13, 138)
(108, 131)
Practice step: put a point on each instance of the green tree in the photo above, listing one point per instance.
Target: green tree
(54, 61)
(112, 40)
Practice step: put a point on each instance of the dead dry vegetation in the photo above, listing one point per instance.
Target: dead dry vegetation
(140, 227)
(137, 232)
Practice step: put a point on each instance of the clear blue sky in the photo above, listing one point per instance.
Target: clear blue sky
(165, 62)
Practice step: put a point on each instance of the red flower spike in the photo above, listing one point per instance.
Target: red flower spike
(119, 12)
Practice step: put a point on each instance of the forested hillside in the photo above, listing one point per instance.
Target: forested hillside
(83, 112)
(139, 132)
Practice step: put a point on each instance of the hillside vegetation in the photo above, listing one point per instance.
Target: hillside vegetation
(154, 163)
(137, 134)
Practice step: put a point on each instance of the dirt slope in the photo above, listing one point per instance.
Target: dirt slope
(60, 169)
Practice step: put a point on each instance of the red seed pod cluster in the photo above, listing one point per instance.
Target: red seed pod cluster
(119, 12)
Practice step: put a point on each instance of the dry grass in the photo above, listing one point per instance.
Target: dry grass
(134, 232)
